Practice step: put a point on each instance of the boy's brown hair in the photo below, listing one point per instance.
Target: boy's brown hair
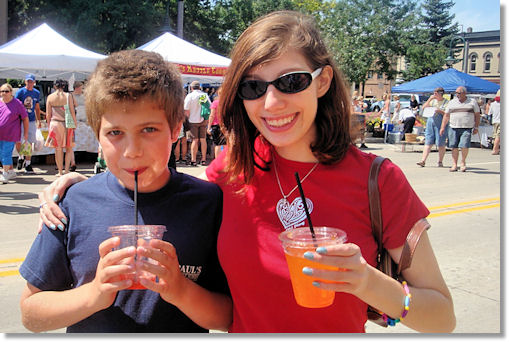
(134, 75)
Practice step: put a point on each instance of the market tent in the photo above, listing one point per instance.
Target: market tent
(46, 54)
(194, 62)
(449, 79)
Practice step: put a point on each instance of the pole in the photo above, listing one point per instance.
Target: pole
(180, 19)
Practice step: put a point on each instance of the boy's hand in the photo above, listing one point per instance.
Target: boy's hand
(112, 265)
(172, 282)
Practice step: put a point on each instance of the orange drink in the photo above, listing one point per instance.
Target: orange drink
(296, 242)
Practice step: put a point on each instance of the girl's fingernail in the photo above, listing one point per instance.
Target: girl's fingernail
(64, 220)
(321, 250)
(61, 227)
(309, 255)
(56, 198)
(316, 284)
(307, 271)
(52, 226)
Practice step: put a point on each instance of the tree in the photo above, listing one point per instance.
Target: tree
(102, 26)
(234, 16)
(368, 35)
(429, 47)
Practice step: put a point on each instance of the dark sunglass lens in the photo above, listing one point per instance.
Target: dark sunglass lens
(293, 83)
(250, 90)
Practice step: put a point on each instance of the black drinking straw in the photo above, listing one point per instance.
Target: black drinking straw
(136, 197)
(305, 205)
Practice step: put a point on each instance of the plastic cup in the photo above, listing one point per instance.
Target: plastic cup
(137, 235)
(296, 242)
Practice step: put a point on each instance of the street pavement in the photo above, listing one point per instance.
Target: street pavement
(465, 233)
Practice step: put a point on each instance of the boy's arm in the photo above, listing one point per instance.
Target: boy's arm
(50, 310)
(210, 310)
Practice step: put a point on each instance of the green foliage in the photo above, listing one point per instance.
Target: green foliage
(429, 46)
(368, 34)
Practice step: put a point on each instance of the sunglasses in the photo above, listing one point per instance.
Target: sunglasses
(5, 91)
(290, 83)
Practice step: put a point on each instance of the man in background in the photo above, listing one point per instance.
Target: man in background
(29, 96)
(198, 125)
(463, 115)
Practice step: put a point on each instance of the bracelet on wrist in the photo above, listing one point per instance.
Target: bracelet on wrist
(406, 307)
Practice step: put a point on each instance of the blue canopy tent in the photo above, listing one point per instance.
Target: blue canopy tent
(449, 79)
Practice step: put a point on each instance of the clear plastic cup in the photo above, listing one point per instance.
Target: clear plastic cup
(137, 235)
(296, 242)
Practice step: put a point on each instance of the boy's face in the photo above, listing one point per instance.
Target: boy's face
(135, 136)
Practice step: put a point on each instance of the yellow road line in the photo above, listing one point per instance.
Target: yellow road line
(450, 212)
(9, 273)
(464, 203)
(14, 260)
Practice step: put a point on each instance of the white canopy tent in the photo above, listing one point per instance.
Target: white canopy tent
(46, 54)
(194, 62)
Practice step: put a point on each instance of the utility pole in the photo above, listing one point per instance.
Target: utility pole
(3, 21)
(180, 19)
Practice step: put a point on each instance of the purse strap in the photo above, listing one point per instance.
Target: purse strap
(375, 210)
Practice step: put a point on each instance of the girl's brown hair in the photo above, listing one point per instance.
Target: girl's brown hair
(267, 39)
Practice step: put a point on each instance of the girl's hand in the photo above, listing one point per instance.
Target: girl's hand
(352, 274)
(172, 282)
(51, 215)
(111, 274)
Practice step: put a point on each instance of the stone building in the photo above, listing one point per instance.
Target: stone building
(480, 54)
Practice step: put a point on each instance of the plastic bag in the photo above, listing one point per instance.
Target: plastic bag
(39, 140)
(26, 149)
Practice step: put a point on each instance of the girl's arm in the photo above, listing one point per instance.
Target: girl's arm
(431, 308)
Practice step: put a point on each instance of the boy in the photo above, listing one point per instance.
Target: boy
(134, 105)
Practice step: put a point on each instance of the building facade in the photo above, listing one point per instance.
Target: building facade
(480, 55)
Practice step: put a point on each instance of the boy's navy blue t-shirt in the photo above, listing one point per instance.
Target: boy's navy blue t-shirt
(191, 210)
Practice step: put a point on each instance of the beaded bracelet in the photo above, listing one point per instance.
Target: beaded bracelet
(392, 321)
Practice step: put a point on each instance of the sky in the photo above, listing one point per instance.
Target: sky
(481, 15)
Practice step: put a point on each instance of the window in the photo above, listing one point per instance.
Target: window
(370, 74)
(487, 61)
(380, 75)
(473, 62)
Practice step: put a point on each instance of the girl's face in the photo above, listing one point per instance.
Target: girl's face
(135, 136)
(287, 121)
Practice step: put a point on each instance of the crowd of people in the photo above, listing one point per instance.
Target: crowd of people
(283, 108)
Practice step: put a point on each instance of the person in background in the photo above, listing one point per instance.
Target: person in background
(494, 112)
(30, 97)
(433, 125)
(81, 114)
(487, 109)
(198, 125)
(463, 116)
(407, 118)
(12, 113)
(285, 108)
(59, 136)
(214, 127)
(397, 108)
(358, 107)
(386, 112)
(414, 105)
